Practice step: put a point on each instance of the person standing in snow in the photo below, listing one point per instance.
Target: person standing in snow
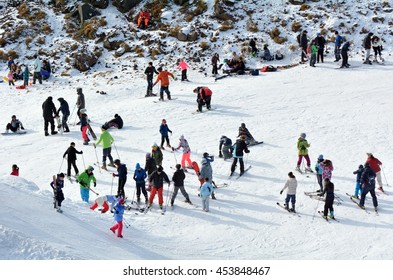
(156, 153)
(122, 174)
(26, 75)
(84, 180)
(118, 216)
(205, 192)
(225, 148)
(329, 199)
(157, 179)
(375, 165)
(80, 102)
(327, 168)
(163, 76)
(344, 54)
(320, 42)
(84, 126)
(71, 159)
(149, 72)
(253, 46)
(150, 167)
(367, 47)
(164, 129)
(358, 188)
(178, 182)
(183, 66)
(49, 111)
(186, 153)
(10, 78)
(107, 141)
(65, 111)
(57, 187)
(15, 170)
(302, 146)
(103, 202)
(338, 40)
(215, 59)
(239, 148)
(314, 51)
(376, 43)
(204, 95)
(291, 185)
(37, 70)
(303, 43)
(139, 177)
(318, 170)
(368, 185)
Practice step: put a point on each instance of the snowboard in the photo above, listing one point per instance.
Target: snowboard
(14, 133)
(197, 171)
(165, 100)
(91, 131)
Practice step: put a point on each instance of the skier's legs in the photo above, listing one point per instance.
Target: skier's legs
(287, 199)
(368, 54)
(149, 85)
(168, 93)
(184, 75)
(138, 189)
(299, 160)
(120, 188)
(46, 124)
(162, 140)
(105, 207)
(75, 167)
(364, 193)
(69, 167)
(307, 160)
(120, 229)
(358, 189)
(372, 192)
(208, 100)
(175, 190)
(160, 197)
(84, 133)
(379, 179)
(319, 178)
(167, 140)
(52, 124)
(188, 159)
(241, 165)
(233, 167)
(184, 193)
(161, 92)
(152, 195)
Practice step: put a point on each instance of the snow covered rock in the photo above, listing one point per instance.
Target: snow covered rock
(125, 6)
(84, 60)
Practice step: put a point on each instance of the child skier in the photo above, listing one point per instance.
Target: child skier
(139, 177)
(84, 180)
(178, 181)
(302, 146)
(71, 159)
(118, 216)
(318, 169)
(329, 191)
(122, 174)
(156, 153)
(186, 153)
(291, 184)
(57, 187)
(358, 188)
(10, 77)
(327, 168)
(375, 165)
(205, 192)
(164, 129)
(238, 149)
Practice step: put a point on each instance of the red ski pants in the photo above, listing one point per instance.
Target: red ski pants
(153, 194)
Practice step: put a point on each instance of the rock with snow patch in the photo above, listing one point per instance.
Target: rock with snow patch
(101, 4)
(180, 2)
(125, 6)
(87, 11)
(84, 60)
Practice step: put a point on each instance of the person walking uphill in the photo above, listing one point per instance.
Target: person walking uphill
(183, 66)
(302, 146)
(163, 77)
(122, 174)
(80, 102)
(368, 184)
(375, 166)
(71, 159)
(118, 216)
(139, 177)
(291, 185)
(178, 181)
(238, 149)
(149, 72)
(57, 187)
(84, 180)
(164, 129)
(49, 111)
(157, 179)
(186, 152)
(107, 141)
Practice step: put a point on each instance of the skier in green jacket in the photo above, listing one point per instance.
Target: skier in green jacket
(107, 141)
(84, 180)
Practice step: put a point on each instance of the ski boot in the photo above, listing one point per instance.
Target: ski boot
(286, 207)
(292, 209)
(332, 215)
(162, 148)
(308, 169)
(213, 196)
(53, 132)
(85, 142)
(111, 164)
(188, 201)
(138, 200)
(104, 166)
(298, 168)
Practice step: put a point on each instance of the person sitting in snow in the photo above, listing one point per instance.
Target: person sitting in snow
(103, 202)
(243, 130)
(143, 18)
(14, 125)
(57, 187)
(15, 170)
(266, 53)
(45, 70)
(117, 122)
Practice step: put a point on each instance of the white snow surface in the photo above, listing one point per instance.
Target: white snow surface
(345, 114)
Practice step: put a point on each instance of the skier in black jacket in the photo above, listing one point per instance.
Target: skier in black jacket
(367, 182)
(71, 159)
(57, 187)
(157, 179)
(329, 191)
(344, 54)
(150, 167)
(122, 174)
(65, 111)
(49, 111)
(150, 70)
(239, 148)
(178, 181)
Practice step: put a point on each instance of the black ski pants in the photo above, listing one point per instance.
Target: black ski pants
(345, 59)
(320, 55)
(328, 203)
(368, 189)
(184, 75)
(73, 163)
(48, 121)
(120, 187)
(233, 167)
(140, 188)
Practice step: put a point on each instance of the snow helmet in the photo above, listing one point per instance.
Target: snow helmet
(159, 169)
(82, 111)
(361, 166)
(117, 161)
(303, 135)
(148, 155)
(181, 137)
(320, 157)
(159, 69)
(243, 125)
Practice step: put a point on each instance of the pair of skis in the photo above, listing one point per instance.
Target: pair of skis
(241, 174)
(289, 210)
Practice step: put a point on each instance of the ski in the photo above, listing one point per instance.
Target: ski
(326, 219)
(357, 203)
(245, 170)
(70, 179)
(140, 209)
(164, 100)
(254, 143)
(288, 210)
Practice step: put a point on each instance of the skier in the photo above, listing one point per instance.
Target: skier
(157, 179)
(204, 95)
(15, 170)
(302, 146)
(80, 102)
(205, 192)
(320, 41)
(329, 199)
(368, 185)
(178, 182)
(149, 72)
(14, 125)
(344, 54)
(49, 111)
(318, 170)
(150, 167)
(291, 184)
(139, 177)
(26, 74)
(238, 149)
(84, 126)
(84, 180)
(71, 159)
(37, 70)
(358, 187)
(338, 40)
(65, 111)
(118, 216)
(303, 43)
(313, 52)
(375, 166)
(327, 168)
(183, 66)
(164, 129)
(103, 202)
(367, 46)
(243, 130)
(215, 59)
(122, 174)
(376, 43)
(207, 171)
(107, 141)
(156, 153)
(117, 122)
(225, 148)
(57, 187)
(163, 76)
(186, 153)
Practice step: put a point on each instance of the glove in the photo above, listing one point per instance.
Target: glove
(280, 192)
(247, 151)
(117, 212)
(113, 175)
(173, 149)
(81, 152)
(95, 184)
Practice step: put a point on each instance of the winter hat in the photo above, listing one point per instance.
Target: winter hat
(116, 115)
(367, 164)
(13, 116)
(369, 154)
(117, 161)
(61, 175)
(361, 166)
(137, 166)
(178, 166)
(320, 157)
(60, 99)
(148, 155)
(91, 168)
(14, 166)
(50, 98)
(72, 144)
(303, 135)
(160, 168)
(290, 175)
(83, 110)
(154, 145)
(243, 125)
(121, 201)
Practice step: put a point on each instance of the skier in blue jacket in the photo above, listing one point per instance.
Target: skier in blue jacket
(139, 177)
(319, 170)
(164, 129)
(358, 188)
(118, 216)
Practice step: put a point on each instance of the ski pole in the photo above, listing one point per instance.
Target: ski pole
(167, 196)
(126, 223)
(112, 184)
(387, 184)
(76, 116)
(133, 196)
(116, 150)
(174, 154)
(98, 163)
(73, 110)
(61, 165)
(83, 159)
(93, 191)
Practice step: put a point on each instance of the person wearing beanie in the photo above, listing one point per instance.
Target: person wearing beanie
(318, 169)
(178, 182)
(291, 185)
(157, 179)
(118, 217)
(80, 102)
(49, 112)
(149, 72)
(15, 170)
(122, 174)
(375, 165)
(302, 146)
(183, 144)
(65, 111)
(156, 153)
(140, 177)
(358, 174)
(84, 180)
(164, 129)
(367, 181)
(57, 185)
(163, 77)
(14, 125)
(107, 141)
(71, 159)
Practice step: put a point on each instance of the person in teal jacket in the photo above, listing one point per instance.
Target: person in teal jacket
(84, 180)
(107, 141)
(319, 170)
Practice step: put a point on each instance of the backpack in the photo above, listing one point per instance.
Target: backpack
(207, 91)
(364, 42)
(255, 72)
(269, 68)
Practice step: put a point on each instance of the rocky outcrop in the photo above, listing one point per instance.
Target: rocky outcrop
(84, 60)
(101, 4)
(86, 12)
(125, 6)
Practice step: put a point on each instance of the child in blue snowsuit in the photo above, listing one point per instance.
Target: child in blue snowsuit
(119, 211)
(319, 170)
(205, 192)
(358, 188)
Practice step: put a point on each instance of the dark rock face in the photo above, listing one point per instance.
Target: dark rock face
(125, 6)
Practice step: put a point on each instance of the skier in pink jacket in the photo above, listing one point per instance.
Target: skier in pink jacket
(183, 66)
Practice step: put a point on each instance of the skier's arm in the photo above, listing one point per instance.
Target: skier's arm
(21, 125)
